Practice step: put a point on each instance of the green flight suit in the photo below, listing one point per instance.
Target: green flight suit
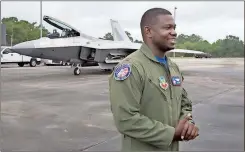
(144, 112)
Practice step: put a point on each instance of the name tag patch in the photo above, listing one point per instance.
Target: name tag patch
(176, 80)
(122, 72)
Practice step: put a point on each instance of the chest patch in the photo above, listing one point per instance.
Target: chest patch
(176, 80)
(163, 84)
(122, 72)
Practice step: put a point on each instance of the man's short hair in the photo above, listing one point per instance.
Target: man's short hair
(150, 17)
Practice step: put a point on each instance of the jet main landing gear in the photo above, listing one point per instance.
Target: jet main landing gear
(77, 71)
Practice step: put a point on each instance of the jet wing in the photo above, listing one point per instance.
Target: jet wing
(75, 41)
(113, 45)
(186, 51)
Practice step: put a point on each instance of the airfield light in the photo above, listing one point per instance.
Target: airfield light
(41, 22)
(175, 8)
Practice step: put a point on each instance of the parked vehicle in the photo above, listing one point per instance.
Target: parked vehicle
(205, 55)
(7, 56)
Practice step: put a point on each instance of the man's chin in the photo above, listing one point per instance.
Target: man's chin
(167, 48)
(171, 47)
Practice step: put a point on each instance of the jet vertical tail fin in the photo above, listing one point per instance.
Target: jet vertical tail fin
(117, 32)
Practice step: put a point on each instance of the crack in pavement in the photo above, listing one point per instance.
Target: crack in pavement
(99, 143)
(212, 96)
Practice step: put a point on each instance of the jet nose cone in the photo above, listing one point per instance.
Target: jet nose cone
(24, 48)
(24, 45)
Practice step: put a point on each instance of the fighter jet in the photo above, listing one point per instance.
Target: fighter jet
(77, 48)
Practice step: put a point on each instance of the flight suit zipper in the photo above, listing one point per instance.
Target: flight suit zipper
(171, 95)
(169, 80)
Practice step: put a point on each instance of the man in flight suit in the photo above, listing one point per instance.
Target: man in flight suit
(150, 107)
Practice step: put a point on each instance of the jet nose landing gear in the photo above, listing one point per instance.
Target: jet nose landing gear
(77, 71)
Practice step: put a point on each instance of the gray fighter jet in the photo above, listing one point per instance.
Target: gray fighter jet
(77, 48)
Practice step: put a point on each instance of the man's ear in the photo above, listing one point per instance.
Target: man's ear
(148, 31)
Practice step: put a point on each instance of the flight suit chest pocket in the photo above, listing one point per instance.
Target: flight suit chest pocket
(159, 87)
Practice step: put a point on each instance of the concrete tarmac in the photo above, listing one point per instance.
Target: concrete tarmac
(50, 109)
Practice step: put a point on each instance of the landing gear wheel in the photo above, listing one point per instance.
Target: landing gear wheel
(33, 63)
(21, 64)
(77, 71)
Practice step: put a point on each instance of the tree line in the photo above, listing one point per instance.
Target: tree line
(21, 30)
(231, 46)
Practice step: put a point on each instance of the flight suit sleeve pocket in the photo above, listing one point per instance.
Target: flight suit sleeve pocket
(178, 93)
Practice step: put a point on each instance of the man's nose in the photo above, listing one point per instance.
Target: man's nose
(173, 32)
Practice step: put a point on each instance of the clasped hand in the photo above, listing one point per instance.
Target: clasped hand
(185, 130)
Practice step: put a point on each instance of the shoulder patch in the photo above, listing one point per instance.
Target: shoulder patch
(122, 72)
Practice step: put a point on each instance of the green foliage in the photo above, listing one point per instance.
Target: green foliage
(108, 36)
(21, 30)
(129, 35)
(231, 46)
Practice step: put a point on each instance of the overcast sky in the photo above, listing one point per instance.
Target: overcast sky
(211, 20)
